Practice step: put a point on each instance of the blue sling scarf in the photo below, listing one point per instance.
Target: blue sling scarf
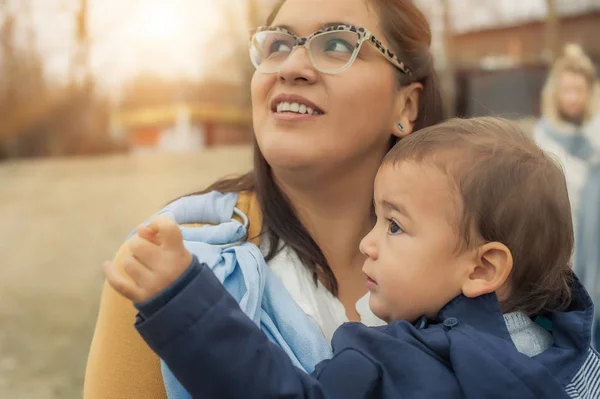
(240, 266)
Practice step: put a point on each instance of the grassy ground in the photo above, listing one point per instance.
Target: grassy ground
(59, 219)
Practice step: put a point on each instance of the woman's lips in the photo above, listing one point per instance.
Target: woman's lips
(294, 117)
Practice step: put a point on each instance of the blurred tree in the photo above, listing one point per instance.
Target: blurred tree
(448, 74)
(238, 21)
(38, 117)
(80, 72)
(552, 31)
(22, 69)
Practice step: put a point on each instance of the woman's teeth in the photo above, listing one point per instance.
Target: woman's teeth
(296, 108)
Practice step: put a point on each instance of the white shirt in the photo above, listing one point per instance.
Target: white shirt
(315, 300)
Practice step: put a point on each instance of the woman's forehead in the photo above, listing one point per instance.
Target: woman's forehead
(303, 17)
(573, 78)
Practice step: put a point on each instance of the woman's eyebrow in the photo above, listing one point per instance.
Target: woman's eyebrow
(335, 23)
(286, 27)
(321, 26)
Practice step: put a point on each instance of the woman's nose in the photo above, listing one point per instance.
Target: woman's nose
(298, 68)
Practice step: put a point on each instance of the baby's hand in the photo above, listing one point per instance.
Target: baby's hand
(157, 259)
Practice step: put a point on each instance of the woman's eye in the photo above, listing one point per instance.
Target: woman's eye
(277, 47)
(394, 228)
(339, 45)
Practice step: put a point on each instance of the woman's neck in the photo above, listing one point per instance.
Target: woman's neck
(576, 121)
(335, 209)
(337, 214)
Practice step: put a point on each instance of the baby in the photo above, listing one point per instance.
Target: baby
(468, 262)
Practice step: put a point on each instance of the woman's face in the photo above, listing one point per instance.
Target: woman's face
(356, 106)
(573, 94)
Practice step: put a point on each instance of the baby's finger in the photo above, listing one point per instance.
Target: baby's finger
(148, 234)
(143, 250)
(137, 271)
(168, 231)
(120, 283)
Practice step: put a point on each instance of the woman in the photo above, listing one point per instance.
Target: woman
(568, 130)
(324, 115)
(567, 108)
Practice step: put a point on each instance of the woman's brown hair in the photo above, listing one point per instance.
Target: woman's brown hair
(409, 35)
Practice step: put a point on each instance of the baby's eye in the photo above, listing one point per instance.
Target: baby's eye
(394, 228)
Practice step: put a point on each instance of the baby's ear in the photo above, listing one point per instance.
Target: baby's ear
(492, 266)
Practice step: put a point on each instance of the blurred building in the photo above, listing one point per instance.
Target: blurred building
(158, 115)
(501, 58)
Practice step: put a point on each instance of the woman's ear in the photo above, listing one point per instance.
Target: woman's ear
(407, 109)
(490, 271)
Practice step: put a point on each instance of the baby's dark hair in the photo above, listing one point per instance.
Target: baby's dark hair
(510, 192)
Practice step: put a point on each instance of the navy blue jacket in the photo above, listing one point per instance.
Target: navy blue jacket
(215, 351)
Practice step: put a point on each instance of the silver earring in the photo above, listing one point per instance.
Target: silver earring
(400, 126)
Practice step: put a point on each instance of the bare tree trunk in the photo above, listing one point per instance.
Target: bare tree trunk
(237, 35)
(33, 69)
(80, 73)
(552, 31)
(448, 74)
(254, 17)
(8, 59)
(22, 87)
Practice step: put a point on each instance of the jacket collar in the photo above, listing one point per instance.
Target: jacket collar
(570, 329)
(482, 313)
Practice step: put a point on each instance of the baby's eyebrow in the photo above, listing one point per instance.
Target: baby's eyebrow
(394, 207)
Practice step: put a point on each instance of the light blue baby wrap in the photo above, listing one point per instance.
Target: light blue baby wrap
(240, 266)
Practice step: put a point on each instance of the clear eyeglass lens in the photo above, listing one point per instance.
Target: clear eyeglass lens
(329, 51)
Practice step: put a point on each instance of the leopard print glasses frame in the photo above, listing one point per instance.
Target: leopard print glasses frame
(264, 64)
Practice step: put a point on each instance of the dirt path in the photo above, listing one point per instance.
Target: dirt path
(59, 219)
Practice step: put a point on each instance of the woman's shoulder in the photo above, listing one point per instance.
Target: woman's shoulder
(216, 207)
(540, 129)
(543, 138)
(247, 202)
(592, 131)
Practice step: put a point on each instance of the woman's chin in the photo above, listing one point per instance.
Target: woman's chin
(289, 160)
(293, 153)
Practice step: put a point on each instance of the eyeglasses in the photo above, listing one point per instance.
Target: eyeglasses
(331, 50)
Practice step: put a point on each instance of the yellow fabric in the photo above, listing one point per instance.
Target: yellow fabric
(120, 364)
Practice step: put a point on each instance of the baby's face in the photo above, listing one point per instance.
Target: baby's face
(413, 267)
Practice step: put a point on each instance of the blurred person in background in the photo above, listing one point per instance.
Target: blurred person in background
(569, 128)
(326, 110)
(567, 108)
